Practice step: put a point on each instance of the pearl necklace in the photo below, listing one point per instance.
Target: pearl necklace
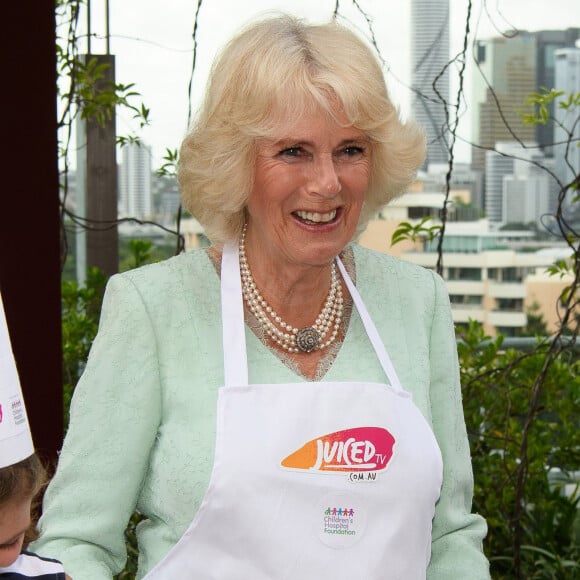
(283, 334)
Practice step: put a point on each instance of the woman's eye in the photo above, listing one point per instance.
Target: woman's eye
(291, 151)
(353, 150)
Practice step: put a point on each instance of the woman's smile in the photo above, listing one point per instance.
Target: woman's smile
(313, 217)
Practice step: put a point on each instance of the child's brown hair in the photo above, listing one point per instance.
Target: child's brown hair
(24, 479)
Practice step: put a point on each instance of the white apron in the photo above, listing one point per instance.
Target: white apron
(310, 480)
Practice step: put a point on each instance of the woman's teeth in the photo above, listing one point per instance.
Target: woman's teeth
(315, 217)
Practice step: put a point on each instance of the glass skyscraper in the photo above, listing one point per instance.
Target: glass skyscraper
(429, 76)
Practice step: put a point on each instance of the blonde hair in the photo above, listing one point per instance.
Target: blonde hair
(268, 76)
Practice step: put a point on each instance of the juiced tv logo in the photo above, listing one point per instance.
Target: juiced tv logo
(360, 449)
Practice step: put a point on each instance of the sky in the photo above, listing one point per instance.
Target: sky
(153, 46)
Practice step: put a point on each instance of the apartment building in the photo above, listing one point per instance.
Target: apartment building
(506, 76)
(489, 286)
(489, 276)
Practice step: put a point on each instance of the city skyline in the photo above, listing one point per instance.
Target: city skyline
(152, 47)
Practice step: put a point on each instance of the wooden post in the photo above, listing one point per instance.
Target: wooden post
(100, 186)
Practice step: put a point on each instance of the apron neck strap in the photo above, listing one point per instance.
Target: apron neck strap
(233, 327)
(371, 329)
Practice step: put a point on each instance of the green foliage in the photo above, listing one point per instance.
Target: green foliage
(572, 102)
(498, 390)
(541, 102)
(134, 253)
(169, 166)
(414, 232)
(535, 323)
(81, 307)
(139, 254)
(97, 97)
(559, 268)
(130, 569)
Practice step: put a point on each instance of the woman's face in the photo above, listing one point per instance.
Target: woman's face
(309, 186)
(14, 521)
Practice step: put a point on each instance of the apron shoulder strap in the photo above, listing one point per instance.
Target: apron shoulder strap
(233, 327)
(371, 329)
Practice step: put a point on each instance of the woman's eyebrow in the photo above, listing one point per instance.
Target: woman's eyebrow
(286, 141)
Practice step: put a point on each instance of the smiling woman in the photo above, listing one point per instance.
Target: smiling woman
(269, 83)
(235, 394)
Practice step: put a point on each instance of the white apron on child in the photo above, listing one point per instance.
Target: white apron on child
(310, 480)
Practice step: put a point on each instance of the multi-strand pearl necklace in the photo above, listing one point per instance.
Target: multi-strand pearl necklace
(285, 335)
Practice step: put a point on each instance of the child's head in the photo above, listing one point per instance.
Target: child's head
(19, 485)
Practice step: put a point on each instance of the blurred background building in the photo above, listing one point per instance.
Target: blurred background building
(430, 57)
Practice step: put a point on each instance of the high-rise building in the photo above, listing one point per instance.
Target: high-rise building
(567, 130)
(525, 199)
(166, 198)
(547, 42)
(429, 76)
(505, 75)
(497, 166)
(519, 186)
(135, 195)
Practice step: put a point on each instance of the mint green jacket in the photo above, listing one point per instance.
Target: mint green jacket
(142, 429)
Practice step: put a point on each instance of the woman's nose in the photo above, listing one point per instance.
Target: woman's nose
(325, 181)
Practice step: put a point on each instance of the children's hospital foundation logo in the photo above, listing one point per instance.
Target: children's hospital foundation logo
(13, 412)
(339, 521)
(360, 453)
(18, 412)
